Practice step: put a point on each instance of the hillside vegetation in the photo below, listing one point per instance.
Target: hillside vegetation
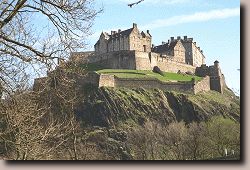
(66, 121)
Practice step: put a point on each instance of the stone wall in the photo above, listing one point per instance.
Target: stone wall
(136, 60)
(142, 61)
(198, 57)
(149, 83)
(179, 53)
(186, 87)
(118, 44)
(167, 65)
(55, 77)
(131, 39)
(113, 60)
(203, 85)
(139, 43)
(107, 80)
(217, 80)
(81, 56)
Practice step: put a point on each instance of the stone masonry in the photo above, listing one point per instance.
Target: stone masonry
(132, 49)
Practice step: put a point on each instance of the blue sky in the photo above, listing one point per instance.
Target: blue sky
(214, 25)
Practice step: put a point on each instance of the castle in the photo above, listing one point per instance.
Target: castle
(179, 50)
(132, 49)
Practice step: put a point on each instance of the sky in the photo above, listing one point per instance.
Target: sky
(214, 25)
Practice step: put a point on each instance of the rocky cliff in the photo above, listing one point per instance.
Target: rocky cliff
(107, 107)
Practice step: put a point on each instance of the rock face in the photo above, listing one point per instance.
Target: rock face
(109, 107)
(156, 69)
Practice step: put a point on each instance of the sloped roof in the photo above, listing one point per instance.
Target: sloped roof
(165, 47)
(106, 35)
(146, 34)
(123, 33)
(172, 45)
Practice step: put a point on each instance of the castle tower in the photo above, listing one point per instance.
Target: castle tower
(216, 78)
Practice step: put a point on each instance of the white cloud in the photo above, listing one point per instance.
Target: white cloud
(196, 17)
(181, 19)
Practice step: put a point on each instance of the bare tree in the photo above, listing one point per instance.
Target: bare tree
(34, 33)
(42, 124)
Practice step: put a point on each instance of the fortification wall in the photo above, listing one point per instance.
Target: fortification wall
(168, 65)
(217, 79)
(135, 60)
(142, 61)
(154, 83)
(114, 60)
(89, 78)
(113, 81)
(203, 85)
(54, 79)
(81, 56)
(107, 80)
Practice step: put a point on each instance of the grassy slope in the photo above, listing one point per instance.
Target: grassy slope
(149, 74)
(139, 73)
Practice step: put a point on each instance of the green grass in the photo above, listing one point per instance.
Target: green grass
(224, 99)
(149, 74)
(91, 67)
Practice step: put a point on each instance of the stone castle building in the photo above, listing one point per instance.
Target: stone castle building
(181, 50)
(130, 39)
(132, 49)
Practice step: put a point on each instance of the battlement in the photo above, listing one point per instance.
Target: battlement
(185, 39)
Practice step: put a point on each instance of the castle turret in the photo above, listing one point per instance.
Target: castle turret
(216, 64)
(216, 79)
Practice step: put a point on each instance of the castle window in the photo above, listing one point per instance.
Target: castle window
(144, 48)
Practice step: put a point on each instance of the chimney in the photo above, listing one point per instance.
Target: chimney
(178, 38)
(216, 63)
(195, 43)
(202, 51)
(185, 38)
(148, 31)
(134, 25)
(153, 45)
(199, 48)
(119, 30)
(172, 39)
(168, 41)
